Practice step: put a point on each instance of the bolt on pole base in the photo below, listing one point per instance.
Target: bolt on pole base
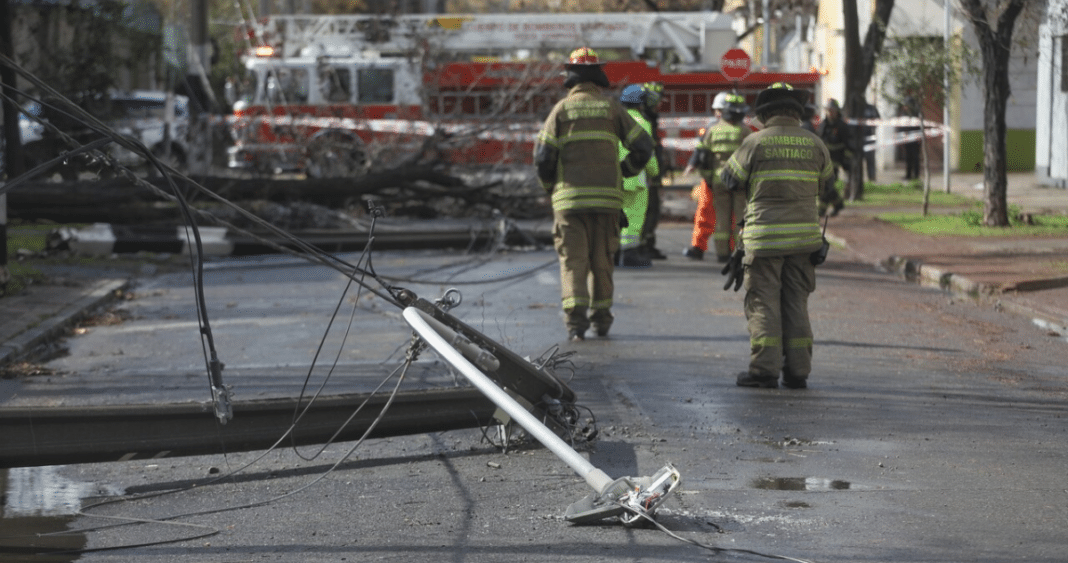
(632, 500)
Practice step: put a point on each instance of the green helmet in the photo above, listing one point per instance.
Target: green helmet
(736, 104)
(654, 91)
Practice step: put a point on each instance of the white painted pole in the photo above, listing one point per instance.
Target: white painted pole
(593, 476)
(945, 100)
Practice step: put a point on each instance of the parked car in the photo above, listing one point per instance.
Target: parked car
(139, 114)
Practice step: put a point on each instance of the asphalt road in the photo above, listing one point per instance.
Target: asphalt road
(933, 429)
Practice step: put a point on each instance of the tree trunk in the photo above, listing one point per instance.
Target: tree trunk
(855, 84)
(860, 65)
(995, 181)
(996, 47)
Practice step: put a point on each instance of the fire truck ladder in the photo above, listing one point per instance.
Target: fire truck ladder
(697, 38)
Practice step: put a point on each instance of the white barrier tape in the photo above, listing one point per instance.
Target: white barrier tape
(903, 121)
(903, 138)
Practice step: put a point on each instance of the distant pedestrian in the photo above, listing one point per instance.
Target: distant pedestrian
(716, 146)
(807, 117)
(783, 169)
(867, 134)
(910, 147)
(836, 135)
(577, 159)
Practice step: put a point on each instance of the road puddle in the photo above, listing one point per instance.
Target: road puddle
(38, 508)
(799, 484)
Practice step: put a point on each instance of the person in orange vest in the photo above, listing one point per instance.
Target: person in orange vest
(718, 211)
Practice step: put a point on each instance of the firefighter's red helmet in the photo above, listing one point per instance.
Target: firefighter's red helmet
(583, 56)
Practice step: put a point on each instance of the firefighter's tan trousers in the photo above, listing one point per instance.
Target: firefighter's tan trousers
(586, 243)
(730, 209)
(776, 306)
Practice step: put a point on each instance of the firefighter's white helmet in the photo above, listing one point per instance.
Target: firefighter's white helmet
(720, 101)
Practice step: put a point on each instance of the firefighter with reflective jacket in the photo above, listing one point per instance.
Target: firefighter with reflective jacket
(654, 92)
(636, 193)
(577, 159)
(717, 145)
(782, 169)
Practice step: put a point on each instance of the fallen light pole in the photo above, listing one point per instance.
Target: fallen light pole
(631, 499)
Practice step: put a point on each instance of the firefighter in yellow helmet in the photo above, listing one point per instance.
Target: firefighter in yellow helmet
(577, 159)
(783, 169)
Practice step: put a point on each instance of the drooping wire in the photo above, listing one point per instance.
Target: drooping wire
(304, 250)
(712, 548)
(412, 355)
(211, 357)
(375, 213)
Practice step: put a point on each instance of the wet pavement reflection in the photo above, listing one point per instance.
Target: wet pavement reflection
(37, 509)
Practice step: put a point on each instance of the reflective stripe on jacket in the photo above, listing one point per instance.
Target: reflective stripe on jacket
(652, 168)
(720, 141)
(782, 168)
(577, 151)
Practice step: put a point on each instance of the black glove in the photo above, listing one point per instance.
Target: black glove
(734, 271)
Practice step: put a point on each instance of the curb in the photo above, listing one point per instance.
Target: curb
(98, 294)
(960, 286)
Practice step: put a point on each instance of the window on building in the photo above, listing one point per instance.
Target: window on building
(375, 85)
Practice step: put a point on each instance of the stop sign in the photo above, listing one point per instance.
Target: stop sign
(734, 64)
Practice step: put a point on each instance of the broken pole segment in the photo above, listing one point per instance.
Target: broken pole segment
(624, 497)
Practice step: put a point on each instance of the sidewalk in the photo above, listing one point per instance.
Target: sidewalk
(42, 313)
(1023, 275)
(1026, 275)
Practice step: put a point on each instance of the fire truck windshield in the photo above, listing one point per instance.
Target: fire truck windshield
(287, 85)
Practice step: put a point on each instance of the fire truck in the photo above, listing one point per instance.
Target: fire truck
(339, 95)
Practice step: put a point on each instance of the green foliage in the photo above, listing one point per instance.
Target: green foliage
(916, 67)
(22, 274)
(970, 223)
(905, 194)
(80, 49)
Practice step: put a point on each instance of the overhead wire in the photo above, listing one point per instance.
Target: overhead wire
(304, 250)
(208, 342)
(166, 519)
(207, 339)
(353, 272)
(212, 363)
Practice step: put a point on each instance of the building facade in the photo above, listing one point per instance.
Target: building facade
(927, 18)
(1051, 154)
